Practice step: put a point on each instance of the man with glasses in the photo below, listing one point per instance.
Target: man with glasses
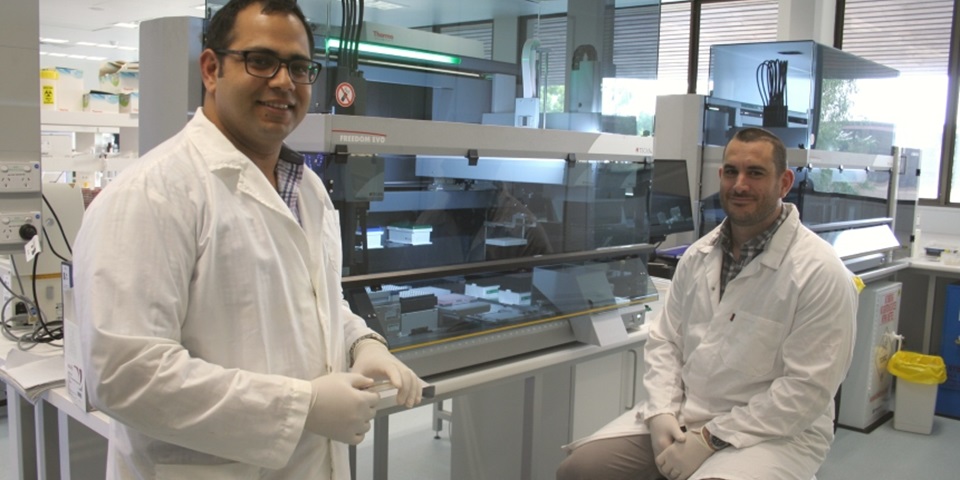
(207, 283)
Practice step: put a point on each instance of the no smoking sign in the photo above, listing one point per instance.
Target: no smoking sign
(345, 94)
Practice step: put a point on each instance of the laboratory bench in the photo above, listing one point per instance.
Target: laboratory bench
(53, 438)
(538, 400)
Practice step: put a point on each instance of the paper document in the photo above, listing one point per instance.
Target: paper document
(32, 374)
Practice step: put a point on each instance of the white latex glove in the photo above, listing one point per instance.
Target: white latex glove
(340, 408)
(681, 459)
(664, 431)
(372, 359)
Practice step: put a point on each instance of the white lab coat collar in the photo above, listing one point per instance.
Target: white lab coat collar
(775, 251)
(223, 158)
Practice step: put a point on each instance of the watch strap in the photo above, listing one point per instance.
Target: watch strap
(369, 336)
(716, 443)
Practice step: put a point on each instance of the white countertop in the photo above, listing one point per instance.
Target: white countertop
(933, 264)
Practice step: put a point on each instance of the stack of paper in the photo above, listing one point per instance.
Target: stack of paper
(32, 374)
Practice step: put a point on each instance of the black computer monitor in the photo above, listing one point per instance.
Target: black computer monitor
(670, 210)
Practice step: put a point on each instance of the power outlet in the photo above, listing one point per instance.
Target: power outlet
(20, 177)
(10, 224)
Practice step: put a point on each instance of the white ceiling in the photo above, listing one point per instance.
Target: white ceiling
(93, 20)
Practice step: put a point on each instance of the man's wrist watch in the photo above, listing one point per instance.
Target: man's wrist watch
(356, 343)
(714, 442)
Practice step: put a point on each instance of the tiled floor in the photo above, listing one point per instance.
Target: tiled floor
(885, 453)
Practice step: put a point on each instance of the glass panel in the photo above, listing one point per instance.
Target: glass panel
(712, 213)
(746, 78)
(542, 237)
(824, 195)
(500, 208)
(860, 241)
(831, 195)
(442, 245)
(460, 306)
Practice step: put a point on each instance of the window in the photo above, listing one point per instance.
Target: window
(636, 32)
(674, 48)
(912, 36)
(636, 47)
(552, 33)
(481, 32)
(736, 21)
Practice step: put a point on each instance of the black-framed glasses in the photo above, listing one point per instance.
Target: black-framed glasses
(262, 64)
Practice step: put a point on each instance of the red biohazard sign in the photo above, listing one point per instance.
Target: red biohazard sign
(345, 94)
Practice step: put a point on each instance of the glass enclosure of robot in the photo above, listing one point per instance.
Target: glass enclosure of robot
(462, 237)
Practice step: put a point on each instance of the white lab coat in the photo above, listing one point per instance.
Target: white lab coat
(760, 367)
(205, 310)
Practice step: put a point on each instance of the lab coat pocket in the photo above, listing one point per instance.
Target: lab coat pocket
(228, 471)
(750, 344)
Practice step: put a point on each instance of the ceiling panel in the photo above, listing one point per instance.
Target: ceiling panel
(93, 20)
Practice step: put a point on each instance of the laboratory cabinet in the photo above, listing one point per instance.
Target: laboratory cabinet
(948, 396)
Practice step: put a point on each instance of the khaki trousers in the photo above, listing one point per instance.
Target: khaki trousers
(621, 458)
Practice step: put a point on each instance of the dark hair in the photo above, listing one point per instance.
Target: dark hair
(754, 134)
(220, 30)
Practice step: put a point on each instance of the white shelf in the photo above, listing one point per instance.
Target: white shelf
(82, 163)
(86, 163)
(81, 121)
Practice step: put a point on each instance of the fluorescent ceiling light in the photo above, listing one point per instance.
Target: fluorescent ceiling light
(87, 44)
(382, 5)
(127, 24)
(78, 57)
(57, 54)
(129, 49)
(397, 52)
(53, 40)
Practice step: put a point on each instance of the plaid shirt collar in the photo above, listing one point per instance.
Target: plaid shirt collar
(289, 174)
(750, 249)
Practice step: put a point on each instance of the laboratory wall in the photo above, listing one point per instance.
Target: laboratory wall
(940, 220)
